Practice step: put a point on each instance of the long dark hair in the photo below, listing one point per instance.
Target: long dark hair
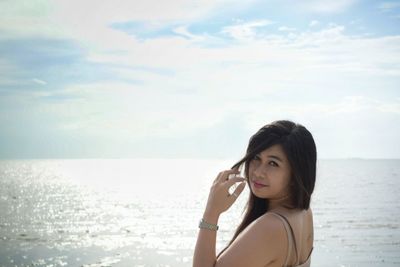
(299, 147)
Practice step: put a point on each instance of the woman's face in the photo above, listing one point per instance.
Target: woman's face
(269, 173)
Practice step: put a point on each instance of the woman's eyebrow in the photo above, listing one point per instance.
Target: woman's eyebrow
(273, 157)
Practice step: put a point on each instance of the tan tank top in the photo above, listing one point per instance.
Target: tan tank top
(292, 244)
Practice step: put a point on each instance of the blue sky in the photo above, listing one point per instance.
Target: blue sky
(195, 79)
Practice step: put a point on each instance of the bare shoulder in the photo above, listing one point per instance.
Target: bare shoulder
(261, 243)
(272, 222)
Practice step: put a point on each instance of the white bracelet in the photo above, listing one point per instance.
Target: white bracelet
(209, 226)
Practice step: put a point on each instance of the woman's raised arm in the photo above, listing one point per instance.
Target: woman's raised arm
(219, 200)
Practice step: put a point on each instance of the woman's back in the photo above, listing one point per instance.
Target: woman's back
(299, 229)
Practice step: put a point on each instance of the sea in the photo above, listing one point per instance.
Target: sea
(145, 212)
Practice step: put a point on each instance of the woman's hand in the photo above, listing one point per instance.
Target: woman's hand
(219, 199)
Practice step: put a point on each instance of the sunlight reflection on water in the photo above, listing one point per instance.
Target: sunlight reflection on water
(145, 212)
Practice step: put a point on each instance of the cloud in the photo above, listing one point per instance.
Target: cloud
(324, 6)
(152, 10)
(124, 57)
(90, 19)
(38, 81)
(314, 23)
(269, 63)
(348, 105)
(246, 30)
(105, 81)
(286, 29)
(355, 104)
(183, 31)
(390, 107)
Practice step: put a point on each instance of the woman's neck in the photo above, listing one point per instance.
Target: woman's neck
(276, 203)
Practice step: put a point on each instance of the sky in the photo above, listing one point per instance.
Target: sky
(196, 78)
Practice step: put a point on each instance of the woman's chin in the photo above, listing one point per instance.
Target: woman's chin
(258, 194)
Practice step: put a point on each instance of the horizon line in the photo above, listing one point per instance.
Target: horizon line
(175, 158)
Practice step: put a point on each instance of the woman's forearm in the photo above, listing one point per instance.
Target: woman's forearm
(219, 200)
(204, 252)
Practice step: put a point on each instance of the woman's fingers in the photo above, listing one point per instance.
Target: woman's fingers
(220, 199)
(224, 175)
(234, 180)
(220, 176)
(239, 189)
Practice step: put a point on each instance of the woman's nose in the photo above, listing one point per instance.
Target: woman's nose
(259, 171)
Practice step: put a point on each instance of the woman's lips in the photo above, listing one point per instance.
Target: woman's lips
(258, 185)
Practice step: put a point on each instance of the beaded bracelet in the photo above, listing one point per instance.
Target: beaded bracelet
(209, 226)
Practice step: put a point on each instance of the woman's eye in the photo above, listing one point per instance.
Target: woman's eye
(273, 163)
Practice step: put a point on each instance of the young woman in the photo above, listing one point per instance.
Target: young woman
(277, 228)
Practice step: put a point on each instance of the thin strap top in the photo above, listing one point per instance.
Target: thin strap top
(292, 244)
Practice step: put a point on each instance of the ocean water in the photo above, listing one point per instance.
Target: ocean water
(145, 212)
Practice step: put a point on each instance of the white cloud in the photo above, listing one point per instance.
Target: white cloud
(286, 29)
(299, 52)
(323, 6)
(182, 30)
(264, 78)
(314, 23)
(143, 111)
(245, 31)
(38, 81)
(346, 106)
(352, 104)
(329, 36)
(393, 107)
(91, 18)
(268, 63)
(310, 61)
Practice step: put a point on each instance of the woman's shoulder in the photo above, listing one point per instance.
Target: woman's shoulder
(301, 228)
(292, 213)
(267, 226)
(270, 220)
(270, 226)
(300, 221)
(274, 221)
(261, 242)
